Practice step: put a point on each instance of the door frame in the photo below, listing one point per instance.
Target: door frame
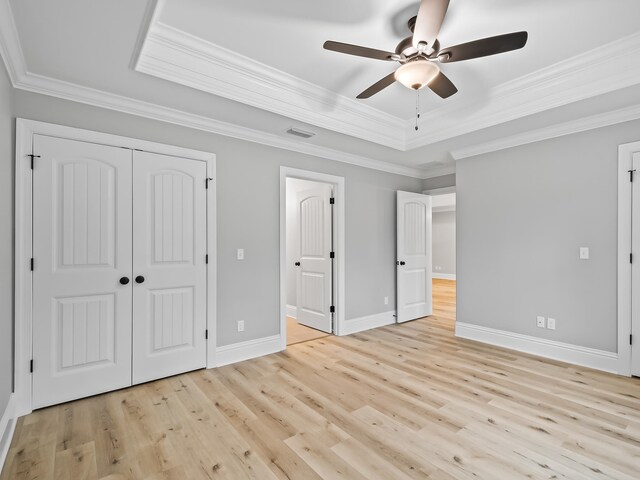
(625, 163)
(23, 332)
(338, 283)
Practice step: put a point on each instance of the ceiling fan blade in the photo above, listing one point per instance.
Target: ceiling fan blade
(358, 51)
(430, 17)
(378, 86)
(484, 47)
(442, 86)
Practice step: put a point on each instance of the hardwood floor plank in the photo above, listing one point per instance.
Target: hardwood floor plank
(401, 402)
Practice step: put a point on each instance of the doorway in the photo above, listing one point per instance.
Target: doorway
(628, 255)
(312, 242)
(444, 253)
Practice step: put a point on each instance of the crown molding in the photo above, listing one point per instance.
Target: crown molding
(606, 119)
(10, 49)
(22, 79)
(98, 98)
(182, 58)
(626, 74)
(565, 82)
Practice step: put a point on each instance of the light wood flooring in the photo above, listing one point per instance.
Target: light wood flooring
(297, 333)
(399, 402)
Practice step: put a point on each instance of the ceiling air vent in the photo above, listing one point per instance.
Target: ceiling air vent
(300, 133)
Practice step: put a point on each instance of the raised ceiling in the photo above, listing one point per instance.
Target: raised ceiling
(253, 69)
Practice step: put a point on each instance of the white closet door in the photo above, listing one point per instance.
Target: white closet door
(414, 257)
(314, 266)
(82, 249)
(635, 268)
(169, 269)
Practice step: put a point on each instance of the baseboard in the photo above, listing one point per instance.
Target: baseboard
(239, 352)
(292, 311)
(564, 352)
(361, 324)
(443, 276)
(7, 427)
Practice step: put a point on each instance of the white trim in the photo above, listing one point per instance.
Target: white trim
(25, 130)
(78, 93)
(10, 48)
(625, 163)
(440, 191)
(443, 276)
(564, 352)
(339, 247)
(177, 56)
(7, 427)
(13, 57)
(510, 100)
(239, 352)
(361, 324)
(565, 82)
(292, 311)
(592, 122)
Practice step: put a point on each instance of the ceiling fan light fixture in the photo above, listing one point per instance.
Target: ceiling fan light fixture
(418, 74)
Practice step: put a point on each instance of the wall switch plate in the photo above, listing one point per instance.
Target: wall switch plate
(241, 325)
(540, 321)
(240, 255)
(551, 323)
(584, 253)
(386, 300)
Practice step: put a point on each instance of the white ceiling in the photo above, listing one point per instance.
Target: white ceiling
(288, 35)
(69, 45)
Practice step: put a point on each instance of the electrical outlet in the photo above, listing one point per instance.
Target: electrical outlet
(240, 254)
(551, 323)
(584, 253)
(241, 325)
(540, 321)
(386, 300)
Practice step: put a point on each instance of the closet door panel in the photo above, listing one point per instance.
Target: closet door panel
(169, 245)
(82, 249)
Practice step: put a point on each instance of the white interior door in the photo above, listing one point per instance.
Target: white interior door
(314, 272)
(169, 266)
(82, 251)
(413, 257)
(635, 268)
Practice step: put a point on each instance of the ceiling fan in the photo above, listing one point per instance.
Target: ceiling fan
(420, 53)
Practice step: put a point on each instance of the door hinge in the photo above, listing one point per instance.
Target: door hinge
(32, 157)
(631, 175)
(206, 259)
(206, 334)
(332, 201)
(332, 255)
(631, 339)
(631, 258)
(332, 309)
(206, 182)
(31, 264)
(31, 366)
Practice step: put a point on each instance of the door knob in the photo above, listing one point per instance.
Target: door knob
(139, 279)
(402, 263)
(124, 280)
(297, 264)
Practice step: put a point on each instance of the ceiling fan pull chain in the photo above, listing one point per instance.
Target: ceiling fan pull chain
(417, 108)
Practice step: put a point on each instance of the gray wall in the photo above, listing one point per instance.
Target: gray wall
(248, 215)
(444, 242)
(439, 182)
(6, 239)
(523, 213)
